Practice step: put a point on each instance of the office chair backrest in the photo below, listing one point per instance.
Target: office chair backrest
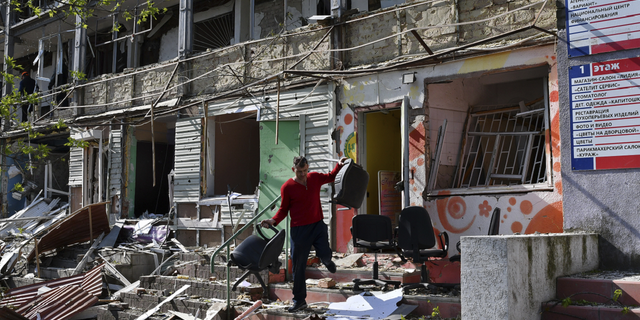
(272, 250)
(494, 226)
(415, 225)
(371, 227)
(247, 254)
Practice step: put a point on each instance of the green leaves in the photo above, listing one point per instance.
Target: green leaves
(616, 295)
(71, 142)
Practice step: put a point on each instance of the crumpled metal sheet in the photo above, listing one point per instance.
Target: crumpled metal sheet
(89, 282)
(58, 304)
(75, 229)
(9, 314)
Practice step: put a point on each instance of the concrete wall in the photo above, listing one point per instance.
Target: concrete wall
(433, 22)
(601, 201)
(508, 277)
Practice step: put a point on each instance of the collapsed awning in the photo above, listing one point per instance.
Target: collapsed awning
(55, 299)
(83, 225)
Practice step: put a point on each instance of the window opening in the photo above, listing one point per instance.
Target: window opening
(118, 48)
(235, 134)
(214, 33)
(504, 147)
(52, 45)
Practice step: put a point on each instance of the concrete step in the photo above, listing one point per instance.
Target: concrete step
(555, 311)
(598, 290)
(449, 307)
(593, 299)
(202, 292)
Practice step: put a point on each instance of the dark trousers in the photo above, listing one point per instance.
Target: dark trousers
(302, 238)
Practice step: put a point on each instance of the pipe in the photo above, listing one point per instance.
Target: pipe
(249, 311)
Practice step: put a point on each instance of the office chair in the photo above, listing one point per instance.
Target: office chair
(373, 232)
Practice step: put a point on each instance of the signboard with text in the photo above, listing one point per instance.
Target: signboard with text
(595, 26)
(605, 115)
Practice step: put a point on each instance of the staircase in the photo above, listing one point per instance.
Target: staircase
(207, 288)
(594, 299)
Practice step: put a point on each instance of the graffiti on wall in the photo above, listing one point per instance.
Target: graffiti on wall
(463, 215)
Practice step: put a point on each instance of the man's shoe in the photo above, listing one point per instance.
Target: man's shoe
(297, 307)
(331, 266)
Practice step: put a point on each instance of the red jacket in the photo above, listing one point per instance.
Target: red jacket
(304, 203)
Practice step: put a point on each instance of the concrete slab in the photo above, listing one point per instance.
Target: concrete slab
(509, 277)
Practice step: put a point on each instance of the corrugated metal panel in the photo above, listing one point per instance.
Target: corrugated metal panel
(58, 304)
(115, 162)
(75, 166)
(187, 160)
(316, 104)
(8, 314)
(75, 229)
(90, 282)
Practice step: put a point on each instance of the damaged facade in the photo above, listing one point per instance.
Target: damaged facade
(196, 115)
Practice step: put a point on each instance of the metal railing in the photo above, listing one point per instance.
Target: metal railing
(227, 243)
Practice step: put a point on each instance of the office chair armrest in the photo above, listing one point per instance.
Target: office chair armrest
(399, 252)
(444, 243)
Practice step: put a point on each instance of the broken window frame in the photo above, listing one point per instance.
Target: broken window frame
(114, 37)
(59, 56)
(544, 147)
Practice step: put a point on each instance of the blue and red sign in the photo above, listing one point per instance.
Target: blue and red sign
(605, 115)
(595, 26)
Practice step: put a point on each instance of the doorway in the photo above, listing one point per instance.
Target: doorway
(150, 198)
(380, 152)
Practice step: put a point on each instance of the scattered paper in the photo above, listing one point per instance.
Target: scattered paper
(375, 307)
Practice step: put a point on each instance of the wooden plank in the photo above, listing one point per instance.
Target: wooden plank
(168, 299)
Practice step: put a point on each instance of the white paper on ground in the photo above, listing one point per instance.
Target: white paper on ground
(377, 306)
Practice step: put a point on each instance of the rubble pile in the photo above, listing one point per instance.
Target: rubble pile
(61, 265)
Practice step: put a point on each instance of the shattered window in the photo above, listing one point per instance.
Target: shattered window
(490, 131)
(504, 147)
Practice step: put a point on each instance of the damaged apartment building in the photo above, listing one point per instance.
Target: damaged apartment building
(196, 113)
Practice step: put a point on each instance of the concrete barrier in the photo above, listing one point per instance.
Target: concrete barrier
(508, 277)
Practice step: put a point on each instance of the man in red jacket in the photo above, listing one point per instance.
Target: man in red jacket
(301, 198)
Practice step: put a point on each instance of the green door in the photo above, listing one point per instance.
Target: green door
(276, 161)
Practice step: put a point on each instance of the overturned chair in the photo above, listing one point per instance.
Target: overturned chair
(257, 253)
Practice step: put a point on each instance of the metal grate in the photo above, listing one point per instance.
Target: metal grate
(504, 147)
(213, 33)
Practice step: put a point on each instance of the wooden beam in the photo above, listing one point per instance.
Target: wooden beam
(424, 45)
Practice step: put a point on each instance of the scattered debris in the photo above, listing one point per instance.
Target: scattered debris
(250, 311)
(156, 308)
(327, 283)
(352, 260)
(375, 306)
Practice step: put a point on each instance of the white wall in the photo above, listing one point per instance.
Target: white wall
(169, 45)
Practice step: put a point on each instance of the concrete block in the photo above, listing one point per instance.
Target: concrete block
(508, 277)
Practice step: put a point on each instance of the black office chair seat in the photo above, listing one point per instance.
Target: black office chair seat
(257, 253)
(374, 245)
(425, 254)
(373, 232)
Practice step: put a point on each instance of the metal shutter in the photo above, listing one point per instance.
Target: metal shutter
(187, 160)
(115, 162)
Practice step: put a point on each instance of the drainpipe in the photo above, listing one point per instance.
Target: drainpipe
(337, 9)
